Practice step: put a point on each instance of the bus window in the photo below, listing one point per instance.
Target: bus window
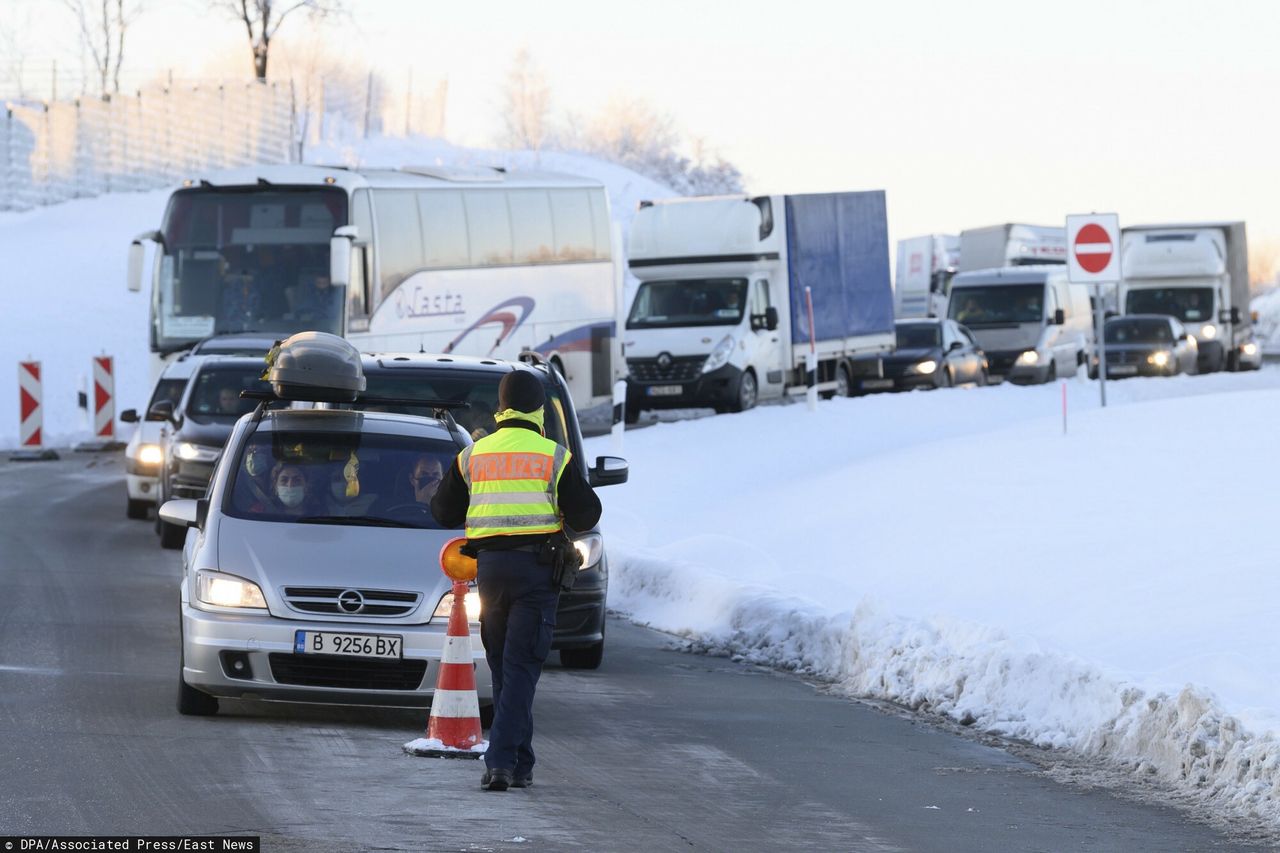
(571, 215)
(489, 227)
(600, 225)
(399, 237)
(444, 229)
(532, 236)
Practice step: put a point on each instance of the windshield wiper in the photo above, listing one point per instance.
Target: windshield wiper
(357, 520)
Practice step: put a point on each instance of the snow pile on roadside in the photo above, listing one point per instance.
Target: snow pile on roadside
(1267, 307)
(1104, 592)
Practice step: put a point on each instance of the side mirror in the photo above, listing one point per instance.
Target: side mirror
(771, 318)
(955, 345)
(180, 512)
(137, 256)
(1059, 317)
(162, 411)
(340, 255)
(609, 471)
(129, 416)
(1235, 315)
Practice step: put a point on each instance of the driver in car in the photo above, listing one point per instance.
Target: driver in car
(425, 478)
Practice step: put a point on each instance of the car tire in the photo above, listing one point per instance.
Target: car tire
(983, 378)
(747, 394)
(844, 385)
(172, 536)
(137, 509)
(588, 658)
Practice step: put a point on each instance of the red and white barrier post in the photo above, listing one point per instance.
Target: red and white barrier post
(104, 397)
(30, 406)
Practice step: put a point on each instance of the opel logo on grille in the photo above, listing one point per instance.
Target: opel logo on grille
(664, 360)
(350, 601)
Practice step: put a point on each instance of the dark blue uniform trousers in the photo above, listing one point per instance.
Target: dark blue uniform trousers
(517, 617)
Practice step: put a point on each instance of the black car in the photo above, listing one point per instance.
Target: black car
(196, 429)
(930, 353)
(1147, 345)
(471, 384)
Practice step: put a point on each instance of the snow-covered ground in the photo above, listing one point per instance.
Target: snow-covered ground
(66, 277)
(1110, 591)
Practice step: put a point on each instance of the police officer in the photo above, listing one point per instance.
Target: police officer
(516, 492)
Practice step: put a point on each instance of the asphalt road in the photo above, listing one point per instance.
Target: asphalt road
(658, 750)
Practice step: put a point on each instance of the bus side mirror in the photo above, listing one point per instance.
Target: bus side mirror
(771, 318)
(340, 255)
(137, 254)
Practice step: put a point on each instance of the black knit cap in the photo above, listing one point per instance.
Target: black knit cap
(521, 390)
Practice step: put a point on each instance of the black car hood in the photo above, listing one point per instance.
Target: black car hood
(914, 354)
(208, 434)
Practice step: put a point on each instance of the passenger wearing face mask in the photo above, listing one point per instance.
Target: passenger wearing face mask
(289, 484)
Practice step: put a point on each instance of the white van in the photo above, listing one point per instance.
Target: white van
(1033, 324)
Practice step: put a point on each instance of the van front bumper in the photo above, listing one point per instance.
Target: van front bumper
(719, 387)
(213, 641)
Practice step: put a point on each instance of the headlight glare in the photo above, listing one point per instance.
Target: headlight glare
(193, 452)
(223, 590)
(1029, 358)
(1208, 331)
(719, 356)
(1250, 348)
(590, 548)
(926, 367)
(149, 454)
(471, 603)
(1159, 359)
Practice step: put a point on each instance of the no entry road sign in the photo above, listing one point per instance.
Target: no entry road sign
(1094, 254)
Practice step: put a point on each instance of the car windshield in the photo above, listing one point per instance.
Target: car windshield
(689, 302)
(998, 304)
(345, 478)
(478, 389)
(1127, 330)
(917, 335)
(1188, 304)
(215, 396)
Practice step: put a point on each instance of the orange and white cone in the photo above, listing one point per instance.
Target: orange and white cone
(453, 729)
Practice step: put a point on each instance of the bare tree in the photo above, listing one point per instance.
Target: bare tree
(526, 104)
(103, 25)
(262, 20)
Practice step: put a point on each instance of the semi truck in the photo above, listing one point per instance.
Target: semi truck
(1199, 273)
(924, 269)
(1011, 245)
(722, 314)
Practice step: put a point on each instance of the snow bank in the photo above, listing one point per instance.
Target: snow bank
(1108, 592)
(67, 263)
(1267, 306)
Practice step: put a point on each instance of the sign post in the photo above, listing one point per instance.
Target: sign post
(1093, 257)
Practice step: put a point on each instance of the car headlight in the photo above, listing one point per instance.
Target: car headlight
(1208, 331)
(189, 452)
(471, 603)
(1249, 349)
(925, 367)
(224, 590)
(1159, 359)
(1029, 358)
(149, 454)
(719, 356)
(590, 548)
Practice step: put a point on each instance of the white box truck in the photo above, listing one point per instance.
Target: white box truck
(1011, 245)
(720, 316)
(1199, 273)
(924, 269)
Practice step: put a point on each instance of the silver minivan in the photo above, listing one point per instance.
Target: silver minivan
(1033, 325)
(310, 572)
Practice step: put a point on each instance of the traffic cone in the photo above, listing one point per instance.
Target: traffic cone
(453, 729)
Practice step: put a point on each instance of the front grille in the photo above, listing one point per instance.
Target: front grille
(1001, 363)
(682, 369)
(324, 600)
(1126, 357)
(346, 673)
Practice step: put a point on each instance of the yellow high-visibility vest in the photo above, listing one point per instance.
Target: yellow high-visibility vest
(513, 475)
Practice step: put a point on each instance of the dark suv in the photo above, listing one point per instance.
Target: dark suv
(196, 429)
(471, 384)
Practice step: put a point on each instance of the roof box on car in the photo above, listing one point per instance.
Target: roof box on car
(317, 367)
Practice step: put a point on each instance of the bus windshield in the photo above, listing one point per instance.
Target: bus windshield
(238, 261)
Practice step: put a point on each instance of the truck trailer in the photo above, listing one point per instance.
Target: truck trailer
(720, 317)
(1011, 245)
(1199, 273)
(924, 270)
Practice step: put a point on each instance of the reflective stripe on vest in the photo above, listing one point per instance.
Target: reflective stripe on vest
(512, 476)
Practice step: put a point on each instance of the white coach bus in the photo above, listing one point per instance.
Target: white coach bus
(476, 262)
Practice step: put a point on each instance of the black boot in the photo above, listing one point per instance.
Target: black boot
(496, 780)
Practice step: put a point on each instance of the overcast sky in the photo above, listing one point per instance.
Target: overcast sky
(967, 113)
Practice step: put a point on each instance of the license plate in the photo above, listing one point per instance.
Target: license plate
(666, 390)
(877, 383)
(1123, 370)
(352, 645)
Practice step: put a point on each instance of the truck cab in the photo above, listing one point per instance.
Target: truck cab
(703, 325)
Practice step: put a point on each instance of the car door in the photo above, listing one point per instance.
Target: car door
(766, 342)
(960, 357)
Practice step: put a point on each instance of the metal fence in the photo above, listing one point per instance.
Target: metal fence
(59, 150)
